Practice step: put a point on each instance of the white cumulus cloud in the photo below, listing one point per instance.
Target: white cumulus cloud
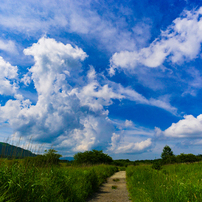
(64, 115)
(8, 78)
(70, 112)
(189, 127)
(179, 42)
(121, 145)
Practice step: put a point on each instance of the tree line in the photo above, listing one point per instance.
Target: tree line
(168, 157)
(51, 157)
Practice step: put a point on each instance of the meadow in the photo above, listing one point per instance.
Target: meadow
(176, 183)
(19, 181)
(46, 178)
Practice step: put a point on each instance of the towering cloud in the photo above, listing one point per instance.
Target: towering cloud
(70, 111)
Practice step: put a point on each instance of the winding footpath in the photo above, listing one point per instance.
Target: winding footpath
(114, 190)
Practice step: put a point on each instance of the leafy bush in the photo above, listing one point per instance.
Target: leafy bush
(157, 165)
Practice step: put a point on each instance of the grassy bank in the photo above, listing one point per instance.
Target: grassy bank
(19, 182)
(178, 182)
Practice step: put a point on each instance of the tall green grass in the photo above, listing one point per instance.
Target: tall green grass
(19, 182)
(174, 183)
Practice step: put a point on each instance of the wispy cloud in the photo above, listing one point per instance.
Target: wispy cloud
(108, 91)
(8, 46)
(130, 139)
(121, 145)
(194, 83)
(110, 31)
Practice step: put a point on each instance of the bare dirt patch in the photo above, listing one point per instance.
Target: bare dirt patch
(108, 194)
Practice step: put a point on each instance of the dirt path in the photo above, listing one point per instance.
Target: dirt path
(118, 193)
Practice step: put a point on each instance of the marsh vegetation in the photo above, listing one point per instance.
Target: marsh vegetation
(46, 178)
(172, 178)
(177, 182)
(21, 182)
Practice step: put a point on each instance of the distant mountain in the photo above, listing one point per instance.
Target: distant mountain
(67, 158)
(10, 151)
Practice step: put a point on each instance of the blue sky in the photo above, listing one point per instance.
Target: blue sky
(122, 77)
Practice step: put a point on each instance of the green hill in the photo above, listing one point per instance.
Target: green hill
(11, 151)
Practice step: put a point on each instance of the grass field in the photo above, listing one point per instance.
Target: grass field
(19, 182)
(177, 182)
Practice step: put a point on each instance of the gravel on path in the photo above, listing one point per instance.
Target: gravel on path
(118, 193)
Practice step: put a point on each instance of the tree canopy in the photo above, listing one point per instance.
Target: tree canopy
(49, 158)
(52, 156)
(167, 152)
(92, 157)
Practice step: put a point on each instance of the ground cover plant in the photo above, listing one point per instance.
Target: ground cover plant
(19, 182)
(176, 182)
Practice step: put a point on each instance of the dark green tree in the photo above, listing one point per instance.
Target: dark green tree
(167, 152)
(186, 158)
(51, 156)
(167, 155)
(92, 157)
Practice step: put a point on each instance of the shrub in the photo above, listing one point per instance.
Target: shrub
(186, 158)
(157, 165)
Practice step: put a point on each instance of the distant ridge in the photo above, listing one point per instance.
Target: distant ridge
(11, 151)
(69, 158)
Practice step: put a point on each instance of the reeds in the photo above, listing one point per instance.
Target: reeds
(39, 179)
(24, 183)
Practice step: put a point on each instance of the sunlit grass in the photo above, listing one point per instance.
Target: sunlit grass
(178, 182)
(19, 182)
